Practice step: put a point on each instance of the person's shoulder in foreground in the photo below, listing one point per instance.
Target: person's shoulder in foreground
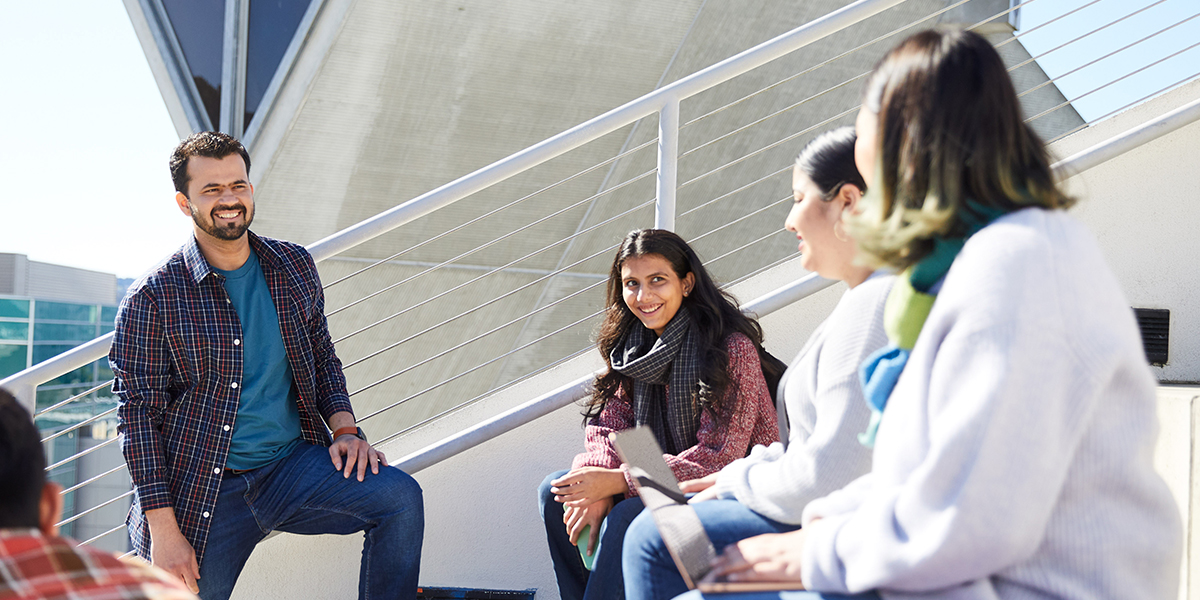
(37, 563)
(53, 567)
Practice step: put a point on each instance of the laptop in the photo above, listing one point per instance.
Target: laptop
(681, 530)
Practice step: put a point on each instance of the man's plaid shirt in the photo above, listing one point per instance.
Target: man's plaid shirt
(177, 357)
(37, 567)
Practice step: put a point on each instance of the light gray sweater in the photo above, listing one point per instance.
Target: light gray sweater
(1014, 457)
(825, 411)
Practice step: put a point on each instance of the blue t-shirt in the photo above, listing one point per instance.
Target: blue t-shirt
(267, 427)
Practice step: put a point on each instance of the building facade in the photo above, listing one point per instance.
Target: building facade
(45, 310)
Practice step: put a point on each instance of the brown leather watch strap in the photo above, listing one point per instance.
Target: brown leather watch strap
(344, 430)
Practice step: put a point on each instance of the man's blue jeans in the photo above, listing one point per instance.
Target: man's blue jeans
(650, 573)
(574, 581)
(304, 494)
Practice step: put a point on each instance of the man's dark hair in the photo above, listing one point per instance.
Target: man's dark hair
(22, 466)
(210, 144)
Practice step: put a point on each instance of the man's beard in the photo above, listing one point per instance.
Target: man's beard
(229, 232)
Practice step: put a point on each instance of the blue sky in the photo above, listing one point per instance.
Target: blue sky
(87, 135)
(1145, 18)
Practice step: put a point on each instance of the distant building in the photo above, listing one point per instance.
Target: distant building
(45, 310)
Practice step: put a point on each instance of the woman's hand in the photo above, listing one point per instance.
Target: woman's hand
(586, 485)
(703, 488)
(767, 557)
(577, 518)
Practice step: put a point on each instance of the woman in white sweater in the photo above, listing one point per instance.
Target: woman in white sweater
(1013, 460)
(767, 491)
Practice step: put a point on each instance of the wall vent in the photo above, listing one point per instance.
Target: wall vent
(1155, 324)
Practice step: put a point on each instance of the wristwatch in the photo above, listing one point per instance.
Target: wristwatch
(354, 431)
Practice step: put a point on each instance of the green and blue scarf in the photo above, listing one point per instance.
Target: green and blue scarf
(905, 312)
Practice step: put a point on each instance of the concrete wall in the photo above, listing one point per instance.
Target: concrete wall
(1144, 208)
(20, 276)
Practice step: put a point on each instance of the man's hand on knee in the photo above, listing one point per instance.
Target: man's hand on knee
(357, 452)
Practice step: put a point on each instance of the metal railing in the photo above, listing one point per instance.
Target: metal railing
(666, 103)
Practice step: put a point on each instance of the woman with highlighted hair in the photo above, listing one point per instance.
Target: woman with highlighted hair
(1016, 412)
(683, 361)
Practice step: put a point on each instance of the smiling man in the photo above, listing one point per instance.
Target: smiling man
(228, 379)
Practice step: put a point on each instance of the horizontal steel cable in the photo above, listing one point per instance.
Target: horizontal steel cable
(1123, 77)
(488, 245)
(1134, 103)
(826, 62)
(490, 213)
(480, 366)
(1072, 41)
(744, 246)
(556, 362)
(856, 78)
(72, 399)
(1096, 60)
(80, 454)
(492, 272)
(97, 507)
(770, 265)
(104, 474)
(79, 425)
(771, 146)
(741, 189)
(740, 219)
(773, 115)
(1048, 21)
(482, 335)
(490, 392)
(109, 532)
(488, 303)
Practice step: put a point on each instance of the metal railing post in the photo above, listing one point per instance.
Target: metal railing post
(668, 162)
(25, 393)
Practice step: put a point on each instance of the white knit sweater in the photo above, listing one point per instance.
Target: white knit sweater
(825, 411)
(1014, 457)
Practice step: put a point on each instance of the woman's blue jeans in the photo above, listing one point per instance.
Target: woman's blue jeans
(574, 581)
(650, 573)
(304, 494)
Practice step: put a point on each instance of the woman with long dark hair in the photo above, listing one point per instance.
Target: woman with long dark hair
(1013, 457)
(767, 491)
(683, 361)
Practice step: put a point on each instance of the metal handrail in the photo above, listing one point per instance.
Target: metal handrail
(579, 389)
(664, 101)
(23, 384)
(665, 98)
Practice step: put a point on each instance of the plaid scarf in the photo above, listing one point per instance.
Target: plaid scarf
(652, 363)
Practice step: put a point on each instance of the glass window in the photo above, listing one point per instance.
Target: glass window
(199, 26)
(14, 331)
(108, 314)
(272, 26)
(12, 359)
(55, 332)
(65, 311)
(84, 376)
(43, 352)
(11, 307)
(105, 371)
